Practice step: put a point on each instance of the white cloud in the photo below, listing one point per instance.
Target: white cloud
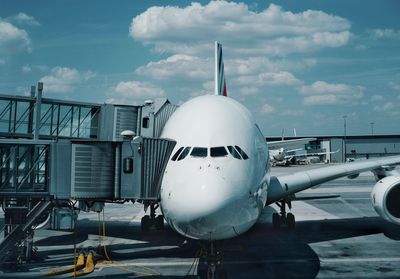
(251, 72)
(395, 86)
(255, 43)
(320, 100)
(26, 68)
(291, 112)
(89, 75)
(323, 93)
(267, 109)
(248, 90)
(385, 107)
(23, 90)
(375, 98)
(384, 34)
(64, 79)
(13, 39)
(133, 91)
(255, 65)
(272, 31)
(208, 86)
(265, 78)
(360, 47)
(388, 108)
(24, 19)
(178, 67)
(61, 80)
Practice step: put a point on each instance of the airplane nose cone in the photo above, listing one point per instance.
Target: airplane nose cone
(200, 209)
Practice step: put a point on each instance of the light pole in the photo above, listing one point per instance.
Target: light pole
(372, 128)
(345, 134)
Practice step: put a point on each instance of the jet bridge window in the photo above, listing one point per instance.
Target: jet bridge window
(219, 151)
(184, 153)
(242, 153)
(234, 152)
(177, 154)
(146, 122)
(199, 152)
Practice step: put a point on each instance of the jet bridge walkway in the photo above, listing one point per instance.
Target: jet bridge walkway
(34, 117)
(53, 152)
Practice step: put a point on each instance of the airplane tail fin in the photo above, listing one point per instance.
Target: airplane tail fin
(220, 83)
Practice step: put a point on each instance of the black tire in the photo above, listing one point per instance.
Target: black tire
(291, 222)
(145, 223)
(276, 220)
(160, 222)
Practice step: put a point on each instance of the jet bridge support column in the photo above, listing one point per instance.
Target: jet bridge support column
(38, 111)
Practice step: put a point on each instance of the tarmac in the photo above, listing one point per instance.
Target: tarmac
(337, 237)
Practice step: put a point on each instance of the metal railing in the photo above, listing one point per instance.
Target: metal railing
(58, 118)
(24, 169)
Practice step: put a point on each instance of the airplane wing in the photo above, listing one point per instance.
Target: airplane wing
(289, 184)
(288, 143)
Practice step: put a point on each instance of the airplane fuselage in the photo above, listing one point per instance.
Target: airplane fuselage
(215, 185)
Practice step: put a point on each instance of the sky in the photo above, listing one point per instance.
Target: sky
(293, 64)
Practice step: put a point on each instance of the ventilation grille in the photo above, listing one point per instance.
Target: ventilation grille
(126, 119)
(92, 170)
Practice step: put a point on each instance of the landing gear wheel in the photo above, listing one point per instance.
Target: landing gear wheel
(210, 264)
(282, 217)
(145, 223)
(160, 222)
(290, 221)
(276, 220)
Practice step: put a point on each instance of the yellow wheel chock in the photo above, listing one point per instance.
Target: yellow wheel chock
(80, 263)
(89, 267)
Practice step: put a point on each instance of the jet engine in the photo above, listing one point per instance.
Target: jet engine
(386, 198)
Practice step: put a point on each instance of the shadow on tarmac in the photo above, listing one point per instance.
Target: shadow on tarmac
(262, 252)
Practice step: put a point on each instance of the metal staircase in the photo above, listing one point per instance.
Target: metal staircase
(17, 231)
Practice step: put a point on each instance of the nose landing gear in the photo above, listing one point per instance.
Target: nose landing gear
(211, 263)
(151, 222)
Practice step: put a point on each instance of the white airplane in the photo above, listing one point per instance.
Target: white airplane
(279, 152)
(283, 156)
(218, 179)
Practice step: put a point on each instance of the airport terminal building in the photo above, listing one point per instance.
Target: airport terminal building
(339, 148)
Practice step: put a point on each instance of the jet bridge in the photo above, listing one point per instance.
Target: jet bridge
(55, 154)
(91, 172)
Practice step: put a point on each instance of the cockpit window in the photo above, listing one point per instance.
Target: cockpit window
(177, 154)
(184, 153)
(219, 151)
(199, 152)
(234, 152)
(242, 153)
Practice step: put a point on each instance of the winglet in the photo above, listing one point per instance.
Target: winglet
(220, 83)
